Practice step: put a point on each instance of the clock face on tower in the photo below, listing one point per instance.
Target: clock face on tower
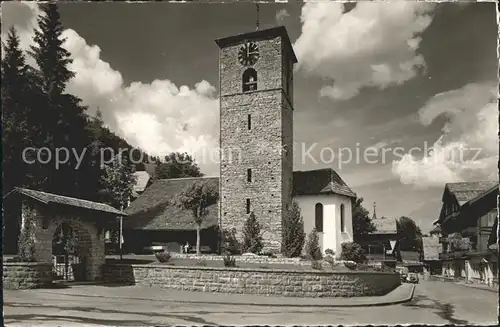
(248, 54)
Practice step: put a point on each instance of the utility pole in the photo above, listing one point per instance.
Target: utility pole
(257, 17)
(121, 231)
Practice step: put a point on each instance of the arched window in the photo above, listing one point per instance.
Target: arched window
(342, 218)
(318, 217)
(249, 80)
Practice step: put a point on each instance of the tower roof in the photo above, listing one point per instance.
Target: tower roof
(269, 33)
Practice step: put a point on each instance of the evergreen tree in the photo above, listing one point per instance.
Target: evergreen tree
(26, 242)
(64, 121)
(19, 104)
(313, 250)
(252, 239)
(293, 232)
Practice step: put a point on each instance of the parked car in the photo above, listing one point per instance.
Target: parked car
(403, 273)
(412, 278)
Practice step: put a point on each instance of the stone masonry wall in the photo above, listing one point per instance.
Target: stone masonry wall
(258, 148)
(255, 281)
(24, 275)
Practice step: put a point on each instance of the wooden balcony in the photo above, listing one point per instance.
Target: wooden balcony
(379, 257)
(443, 239)
(452, 255)
(469, 231)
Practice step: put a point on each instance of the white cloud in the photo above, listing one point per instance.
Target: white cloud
(374, 44)
(467, 149)
(281, 15)
(158, 117)
(384, 143)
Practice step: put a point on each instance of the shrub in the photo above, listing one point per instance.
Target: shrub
(350, 264)
(313, 251)
(330, 252)
(352, 252)
(163, 256)
(26, 243)
(331, 260)
(293, 232)
(270, 254)
(229, 261)
(316, 265)
(252, 239)
(230, 243)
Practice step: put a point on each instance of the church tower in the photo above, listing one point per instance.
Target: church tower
(256, 131)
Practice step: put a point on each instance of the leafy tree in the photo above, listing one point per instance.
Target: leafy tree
(230, 243)
(252, 239)
(361, 221)
(313, 250)
(118, 180)
(352, 252)
(409, 234)
(293, 232)
(177, 165)
(197, 198)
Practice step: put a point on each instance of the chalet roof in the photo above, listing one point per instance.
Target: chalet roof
(385, 225)
(47, 198)
(435, 230)
(142, 179)
(432, 248)
(466, 191)
(320, 181)
(155, 208)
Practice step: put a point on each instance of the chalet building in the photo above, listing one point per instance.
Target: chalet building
(144, 175)
(432, 249)
(382, 245)
(154, 218)
(467, 218)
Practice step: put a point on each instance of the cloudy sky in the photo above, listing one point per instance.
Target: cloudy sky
(379, 76)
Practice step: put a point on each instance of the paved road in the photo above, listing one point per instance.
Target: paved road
(434, 303)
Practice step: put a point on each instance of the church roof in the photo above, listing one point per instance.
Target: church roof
(269, 33)
(155, 208)
(385, 225)
(320, 181)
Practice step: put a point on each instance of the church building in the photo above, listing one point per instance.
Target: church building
(256, 166)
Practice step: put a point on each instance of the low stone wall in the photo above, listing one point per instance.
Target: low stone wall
(314, 283)
(24, 275)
